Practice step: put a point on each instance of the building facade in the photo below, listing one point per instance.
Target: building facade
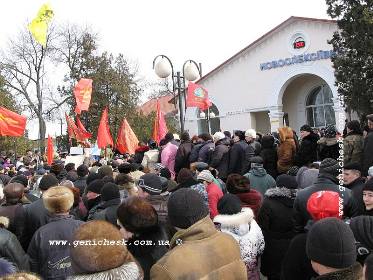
(285, 77)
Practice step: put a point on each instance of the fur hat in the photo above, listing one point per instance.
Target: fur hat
(58, 199)
(4, 221)
(352, 166)
(218, 136)
(329, 166)
(331, 242)
(185, 208)
(137, 215)
(368, 186)
(100, 255)
(205, 175)
(324, 204)
(48, 181)
(286, 181)
(250, 133)
(229, 204)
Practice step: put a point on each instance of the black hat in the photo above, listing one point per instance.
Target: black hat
(330, 131)
(257, 160)
(306, 127)
(185, 208)
(151, 183)
(329, 166)
(48, 181)
(109, 191)
(229, 204)
(370, 117)
(21, 179)
(286, 181)
(91, 177)
(82, 170)
(352, 166)
(95, 186)
(368, 186)
(362, 227)
(165, 172)
(331, 242)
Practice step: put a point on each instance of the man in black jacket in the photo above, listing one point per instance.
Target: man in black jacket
(308, 147)
(353, 181)
(81, 182)
(368, 147)
(236, 163)
(220, 155)
(183, 153)
(326, 181)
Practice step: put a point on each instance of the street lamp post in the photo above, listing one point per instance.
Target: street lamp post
(164, 67)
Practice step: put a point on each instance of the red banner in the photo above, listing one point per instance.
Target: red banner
(103, 136)
(50, 150)
(73, 131)
(82, 129)
(83, 92)
(160, 127)
(197, 97)
(127, 141)
(11, 124)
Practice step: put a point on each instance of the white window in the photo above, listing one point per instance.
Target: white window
(319, 107)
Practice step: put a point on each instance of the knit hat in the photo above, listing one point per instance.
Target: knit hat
(352, 166)
(229, 204)
(205, 175)
(362, 227)
(324, 204)
(185, 208)
(151, 183)
(99, 255)
(330, 131)
(306, 176)
(137, 215)
(184, 175)
(218, 136)
(95, 186)
(306, 127)
(48, 181)
(109, 191)
(58, 199)
(331, 242)
(368, 186)
(286, 181)
(329, 166)
(105, 170)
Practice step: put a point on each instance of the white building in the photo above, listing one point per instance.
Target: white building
(285, 77)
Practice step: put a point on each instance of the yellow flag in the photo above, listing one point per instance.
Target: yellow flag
(39, 25)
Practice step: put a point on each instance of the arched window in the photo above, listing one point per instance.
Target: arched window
(319, 107)
(213, 120)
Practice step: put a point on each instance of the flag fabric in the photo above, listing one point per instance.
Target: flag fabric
(82, 129)
(160, 128)
(39, 25)
(83, 92)
(197, 97)
(50, 150)
(103, 135)
(127, 140)
(73, 131)
(11, 124)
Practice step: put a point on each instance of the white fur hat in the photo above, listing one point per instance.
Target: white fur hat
(218, 136)
(250, 133)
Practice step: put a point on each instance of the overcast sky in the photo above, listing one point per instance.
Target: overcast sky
(206, 31)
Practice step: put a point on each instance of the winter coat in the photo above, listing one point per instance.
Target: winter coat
(257, 147)
(353, 146)
(128, 271)
(269, 156)
(307, 150)
(53, 262)
(203, 253)
(236, 159)
(81, 184)
(11, 249)
(182, 156)
(357, 192)
(328, 148)
(205, 153)
(260, 180)
(368, 152)
(11, 212)
(139, 154)
(286, 150)
(296, 264)
(168, 157)
(252, 199)
(276, 221)
(220, 157)
(193, 157)
(107, 211)
(249, 152)
(214, 194)
(245, 230)
(159, 202)
(325, 182)
(354, 272)
(150, 159)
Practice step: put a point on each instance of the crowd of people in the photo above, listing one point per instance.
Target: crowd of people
(215, 206)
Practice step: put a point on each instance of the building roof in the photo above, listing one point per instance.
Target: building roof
(281, 25)
(151, 105)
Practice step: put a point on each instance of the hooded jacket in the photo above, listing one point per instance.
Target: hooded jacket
(260, 180)
(245, 230)
(220, 157)
(204, 154)
(201, 252)
(353, 148)
(168, 157)
(328, 148)
(307, 150)
(286, 150)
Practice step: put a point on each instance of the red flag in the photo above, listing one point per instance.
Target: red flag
(127, 141)
(50, 150)
(74, 131)
(160, 127)
(82, 129)
(197, 97)
(11, 124)
(103, 136)
(83, 92)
